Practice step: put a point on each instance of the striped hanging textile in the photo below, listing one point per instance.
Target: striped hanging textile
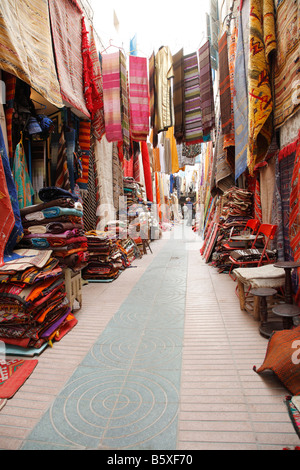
(21, 177)
(229, 139)
(124, 105)
(178, 96)
(294, 220)
(224, 86)
(7, 220)
(206, 89)
(98, 124)
(62, 172)
(111, 96)
(139, 98)
(85, 144)
(257, 202)
(193, 113)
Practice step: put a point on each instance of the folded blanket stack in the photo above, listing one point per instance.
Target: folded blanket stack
(33, 304)
(107, 257)
(57, 224)
(237, 209)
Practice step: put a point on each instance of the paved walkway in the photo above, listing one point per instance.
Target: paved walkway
(161, 359)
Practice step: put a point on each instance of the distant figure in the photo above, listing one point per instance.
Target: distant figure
(189, 212)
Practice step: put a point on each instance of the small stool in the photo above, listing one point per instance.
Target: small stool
(266, 328)
(287, 312)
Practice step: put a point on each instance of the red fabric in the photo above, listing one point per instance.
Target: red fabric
(7, 219)
(13, 375)
(147, 171)
(128, 168)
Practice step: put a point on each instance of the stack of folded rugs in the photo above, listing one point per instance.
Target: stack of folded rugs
(33, 305)
(108, 256)
(56, 224)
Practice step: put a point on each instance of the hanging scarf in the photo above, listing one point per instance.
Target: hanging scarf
(22, 181)
(178, 96)
(98, 124)
(193, 112)
(224, 86)
(111, 96)
(139, 98)
(62, 172)
(147, 171)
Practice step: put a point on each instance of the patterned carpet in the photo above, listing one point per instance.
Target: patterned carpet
(125, 393)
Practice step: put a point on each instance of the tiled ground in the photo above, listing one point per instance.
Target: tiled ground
(160, 359)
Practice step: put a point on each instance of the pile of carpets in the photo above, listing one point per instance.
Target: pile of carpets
(106, 257)
(237, 209)
(56, 224)
(33, 305)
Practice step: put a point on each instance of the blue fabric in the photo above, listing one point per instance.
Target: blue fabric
(17, 232)
(240, 106)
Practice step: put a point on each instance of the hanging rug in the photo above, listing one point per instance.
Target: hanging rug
(13, 374)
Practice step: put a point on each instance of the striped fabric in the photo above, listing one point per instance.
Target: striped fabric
(287, 100)
(294, 221)
(62, 172)
(178, 96)
(98, 124)
(224, 85)
(26, 46)
(139, 98)
(206, 89)
(257, 202)
(111, 96)
(193, 113)
(84, 143)
(124, 90)
(229, 139)
(66, 28)
(7, 220)
(152, 88)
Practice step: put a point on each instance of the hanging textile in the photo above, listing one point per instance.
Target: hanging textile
(98, 124)
(117, 177)
(193, 113)
(66, 28)
(173, 149)
(206, 89)
(139, 98)
(10, 88)
(257, 202)
(262, 44)
(147, 171)
(62, 172)
(152, 88)
(229, 139)
(178, 96)
(158, 199)
(111, 96)
(287, 86)
(240, 104)
(21, 177)
(294, 221)
(26, 51)
(17, 231)
(164, 113)
(91, 196)
(136, 162)
(92, 96)
(224, 86)
(103, 159)
(7, 220)
(124, 106)
(85, 144)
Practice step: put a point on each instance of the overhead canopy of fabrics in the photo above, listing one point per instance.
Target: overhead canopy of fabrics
(26, 46)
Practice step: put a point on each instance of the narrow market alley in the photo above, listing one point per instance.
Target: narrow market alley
(181, 378)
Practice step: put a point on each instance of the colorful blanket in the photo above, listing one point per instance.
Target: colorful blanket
(206, 89)
(85, 144)
(62, 171)
(139, 98)
(111, 96)
(178, 96)
(287, 98)
(282, 359)
(224, 86)
(98, 124)
(21, 176)
(26, 52)
(262, 44)
(7, 220)
(240, 104)
(67, 39)
(294, 221)
(193, 111)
